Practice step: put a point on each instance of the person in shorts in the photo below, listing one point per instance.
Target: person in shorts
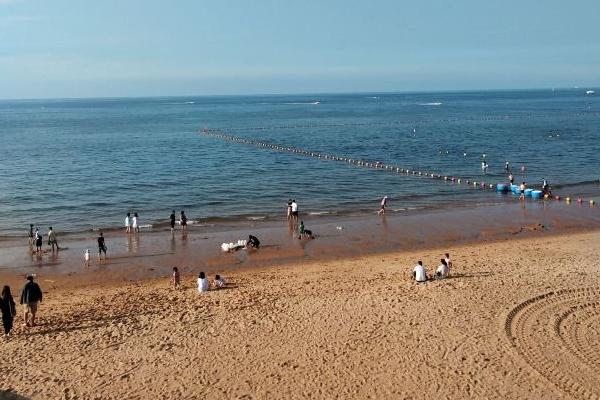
(31, 296)
(52, 239)
(183, 220)
(38, 240)
(522, 191)
(383, 205)
(294, 210)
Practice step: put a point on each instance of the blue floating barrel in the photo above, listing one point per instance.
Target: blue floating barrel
(502, 187)
(515, 189)
(528, 192)
(536, 194)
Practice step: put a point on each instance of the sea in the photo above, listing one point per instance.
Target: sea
(82, 164)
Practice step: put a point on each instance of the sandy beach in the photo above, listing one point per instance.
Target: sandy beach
(517, 319)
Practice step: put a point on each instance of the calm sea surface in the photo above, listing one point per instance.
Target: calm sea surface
(79, 164)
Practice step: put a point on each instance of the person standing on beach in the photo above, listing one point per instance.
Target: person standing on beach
(52, 239)
(289, 209)
(128, 223)
(31, 296)
(38, 240)
(101, 246)
(9, 310)
(507, 167)
(135, 224)
(175, 278)
(183, 221)
(522, 191)
(30, 235)
(294, 209)
(383, 205)
(172, 221)
(511, 178)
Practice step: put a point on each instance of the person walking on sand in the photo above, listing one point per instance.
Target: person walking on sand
(172, 221)
(203, 284)
(101, 246)
(175, 278)
(419, 273)
(31, 235)
(31, 296)
(522, 191)
(52, 239)
(128, 223)
(38, 240)
(183, 221)
(135, 224)
(8, 309)
(383, 205)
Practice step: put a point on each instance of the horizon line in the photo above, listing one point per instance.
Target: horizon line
(303, 93)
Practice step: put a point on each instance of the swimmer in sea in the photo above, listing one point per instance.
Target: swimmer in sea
(172, 221)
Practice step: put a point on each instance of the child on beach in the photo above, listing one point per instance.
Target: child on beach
(183, 222)
(419, 273)
(219, 282)
(522, 191)
(135, 223)
(175, 279)
(30, 234)
(38, 240)
(203, 284)
(128, 223)
(448, 262)
(86, 257)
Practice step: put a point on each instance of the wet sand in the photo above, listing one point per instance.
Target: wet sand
(150, 254)
(518, 319)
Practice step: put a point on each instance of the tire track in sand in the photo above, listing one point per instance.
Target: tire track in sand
(558, 335)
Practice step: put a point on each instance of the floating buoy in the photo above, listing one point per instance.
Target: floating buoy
(501, 187)
(568, 199)
(536, 194)
(528, 192)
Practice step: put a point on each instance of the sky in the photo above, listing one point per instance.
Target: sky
(112, 48)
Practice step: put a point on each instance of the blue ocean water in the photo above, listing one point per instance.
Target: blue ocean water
(83, 163)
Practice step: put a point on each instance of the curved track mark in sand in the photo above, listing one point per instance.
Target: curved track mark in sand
(558, 335)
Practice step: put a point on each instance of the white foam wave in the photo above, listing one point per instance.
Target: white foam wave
(435, 103)
(318, 213)
(257, 218)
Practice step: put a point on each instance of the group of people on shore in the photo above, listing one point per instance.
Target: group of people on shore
(31, 296)
(204, 285)
(419, 273)
(292, 216)
(36, 239)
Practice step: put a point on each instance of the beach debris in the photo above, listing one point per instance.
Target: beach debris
(339, 228)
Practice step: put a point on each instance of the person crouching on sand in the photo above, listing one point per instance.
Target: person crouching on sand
(419, 273)
(203, 284)
(219, 282)
(175, 278)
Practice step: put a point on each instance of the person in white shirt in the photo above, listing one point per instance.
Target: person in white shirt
(136, 227)
(294, 210)
(219, 282)
(419, 274)
(86, 257)
(448, 262)
(383, 204)
(203, 284)
(128, 223)
(442, 271)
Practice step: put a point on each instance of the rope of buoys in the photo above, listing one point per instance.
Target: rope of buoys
(500, 187)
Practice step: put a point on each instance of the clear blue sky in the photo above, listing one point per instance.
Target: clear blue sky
(83, 48)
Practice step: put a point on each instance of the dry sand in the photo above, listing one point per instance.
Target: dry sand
(519, 319)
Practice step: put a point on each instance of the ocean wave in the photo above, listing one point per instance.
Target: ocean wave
(319, 212)
(257, 218)
(435, 103)
(303, 103)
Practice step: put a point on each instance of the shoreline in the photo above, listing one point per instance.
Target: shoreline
(137, 257)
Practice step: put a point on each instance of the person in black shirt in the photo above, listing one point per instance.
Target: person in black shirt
(183, 222)
(253, 242)
(172, 218)
(9, 310)
(31, 295)
(101, 246)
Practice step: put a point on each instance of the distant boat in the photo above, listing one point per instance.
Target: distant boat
(589, 92)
